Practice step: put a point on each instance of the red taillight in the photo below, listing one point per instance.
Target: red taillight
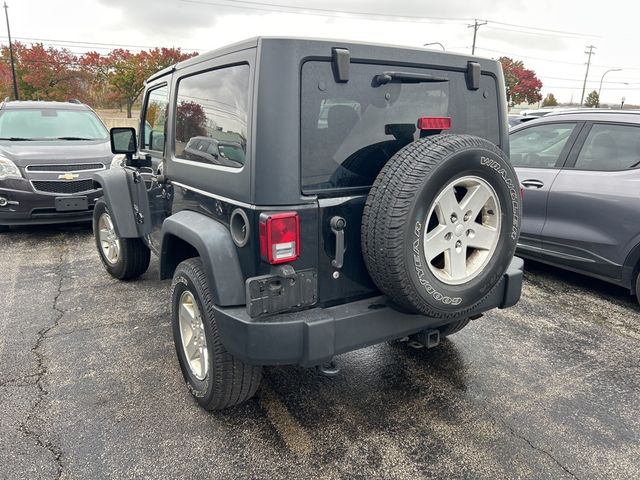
(434, 123)
(279, 237)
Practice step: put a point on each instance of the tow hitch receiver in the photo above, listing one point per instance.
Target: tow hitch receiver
(427, 338)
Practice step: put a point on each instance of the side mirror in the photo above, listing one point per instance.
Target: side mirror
(123, 140)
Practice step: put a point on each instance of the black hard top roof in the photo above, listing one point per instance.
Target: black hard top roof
(256, 41)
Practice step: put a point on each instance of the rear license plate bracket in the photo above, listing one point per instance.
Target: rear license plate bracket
(269, 294)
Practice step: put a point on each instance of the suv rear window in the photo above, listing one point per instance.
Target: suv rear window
(350, 130)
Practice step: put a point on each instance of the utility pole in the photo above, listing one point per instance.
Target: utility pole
(584, 85)
(476, 25)
(13, 66)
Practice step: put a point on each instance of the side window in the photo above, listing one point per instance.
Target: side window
(539, 146)
(155, 120)
(610, 147)
(212, 116)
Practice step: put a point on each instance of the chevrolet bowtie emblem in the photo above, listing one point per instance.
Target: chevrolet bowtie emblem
(68, 176)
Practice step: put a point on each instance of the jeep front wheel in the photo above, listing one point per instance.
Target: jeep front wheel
(441, 223)
(123, 258)
(215, 378)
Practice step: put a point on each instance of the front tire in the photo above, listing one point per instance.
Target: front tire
(123, 258)
(214, 377)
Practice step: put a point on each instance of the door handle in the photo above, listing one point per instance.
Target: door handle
(532, 183)
(337, 227)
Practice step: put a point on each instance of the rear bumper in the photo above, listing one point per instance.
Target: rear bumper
(311, 337)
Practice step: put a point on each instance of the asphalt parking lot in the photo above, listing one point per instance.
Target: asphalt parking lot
(90, 387)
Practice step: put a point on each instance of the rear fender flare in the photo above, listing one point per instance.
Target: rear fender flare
(214, 245)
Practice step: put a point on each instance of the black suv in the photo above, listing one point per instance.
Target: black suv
(48, 154)
(365, 196)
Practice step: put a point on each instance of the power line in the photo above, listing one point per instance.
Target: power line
(517, 55)
(328, 12)
(528, 57)
(545, 29)
(558, 87)
(323, 12)
(620, 82)
(75, 42)
(542, 34)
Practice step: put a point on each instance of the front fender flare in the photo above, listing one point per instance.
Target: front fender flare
(117, 185)
(215, 247)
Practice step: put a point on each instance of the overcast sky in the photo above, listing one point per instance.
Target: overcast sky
(549, 36)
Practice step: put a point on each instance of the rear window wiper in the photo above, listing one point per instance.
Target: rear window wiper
(406, 77)
(17, 139)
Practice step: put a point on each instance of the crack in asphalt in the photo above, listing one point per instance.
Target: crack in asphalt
(536, 448)
(25, 427)
(86, 329)
(15, 380)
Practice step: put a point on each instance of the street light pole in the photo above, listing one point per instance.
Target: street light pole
(435, 43)
(600, 88)
(13, 66)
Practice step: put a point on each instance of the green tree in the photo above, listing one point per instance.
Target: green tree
(521, 84)
(592, 100)
(550, 101)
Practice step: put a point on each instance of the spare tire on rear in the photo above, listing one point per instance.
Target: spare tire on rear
(441, 223)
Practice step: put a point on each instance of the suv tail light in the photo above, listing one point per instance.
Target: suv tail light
(434, 123)
(279, 237)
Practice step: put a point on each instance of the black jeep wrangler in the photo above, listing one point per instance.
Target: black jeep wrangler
(313, 198)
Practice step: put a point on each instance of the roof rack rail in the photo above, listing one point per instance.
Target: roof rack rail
(74, 100)
(593, 111)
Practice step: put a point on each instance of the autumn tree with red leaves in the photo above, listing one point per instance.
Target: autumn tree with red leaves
(99, 80)
(126, 72)
(521, 84)
(191, 121)
(42, 73)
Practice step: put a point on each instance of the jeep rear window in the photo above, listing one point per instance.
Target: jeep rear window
(349, 130)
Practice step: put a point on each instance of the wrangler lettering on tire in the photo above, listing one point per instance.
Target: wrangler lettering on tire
(441, 223)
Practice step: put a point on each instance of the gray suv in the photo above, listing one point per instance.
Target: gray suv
(581, 208)
(48, 152)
